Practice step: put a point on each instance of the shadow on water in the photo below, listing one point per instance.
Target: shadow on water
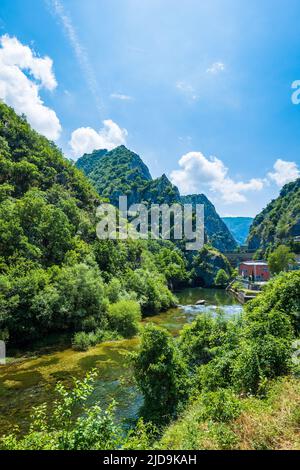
(31, 382)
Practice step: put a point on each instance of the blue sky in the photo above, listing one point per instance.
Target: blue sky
(200, 89)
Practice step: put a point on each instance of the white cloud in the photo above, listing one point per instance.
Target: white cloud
(86, 139)
(187, 89)
(120, 96)
(285, 172)
(216, 67)
(58, 9)
(198, 174)
(22, 75)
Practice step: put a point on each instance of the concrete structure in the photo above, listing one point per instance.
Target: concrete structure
(256, 271)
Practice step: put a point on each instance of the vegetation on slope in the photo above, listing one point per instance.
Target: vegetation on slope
(55, 275)
(279, 222)
(243, 378)
(225, 421)
(119, 172)
(206, 266)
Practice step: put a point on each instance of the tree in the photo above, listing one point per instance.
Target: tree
(172, 264)
(222, 278)
(161, 375)
(124, 317)
(280, 259)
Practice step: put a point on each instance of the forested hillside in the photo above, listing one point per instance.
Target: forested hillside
(279, 222)
(55, 275)
(122, 172)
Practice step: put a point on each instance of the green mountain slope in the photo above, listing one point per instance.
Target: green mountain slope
(122, 172)
(115, 173)
(55, 274)
(279, 222)
(239, 227)
(216, 230)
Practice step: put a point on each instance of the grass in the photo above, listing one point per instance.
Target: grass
(269, 424)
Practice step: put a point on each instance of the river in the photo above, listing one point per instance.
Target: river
(30, 381)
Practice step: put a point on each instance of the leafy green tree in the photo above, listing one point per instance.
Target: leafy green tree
(81, 296)
(150, 287)
(282, 294)
(280, 259)
(222, 278)
(205, 337)
(161, 375)
(172, 264)
(124, 317)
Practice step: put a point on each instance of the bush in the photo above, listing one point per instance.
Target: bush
(220, 406)
(82, 341)
(161, 375)
(222, 278)
(152, 291)
(113, 290)
(259, 360)
(124, 317)
(281, 294)
(207, 337)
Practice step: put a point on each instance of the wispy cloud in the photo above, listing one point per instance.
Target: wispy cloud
(187, 89)
(215, 68)
(121, 97)
(57, 8)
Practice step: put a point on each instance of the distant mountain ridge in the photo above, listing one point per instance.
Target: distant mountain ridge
(279, 222)
(122, 172)
(239, 227)
(216, 230)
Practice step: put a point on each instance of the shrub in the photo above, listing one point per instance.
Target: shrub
(281, 294)
(161, 375)
(222, 278)
(265, 358)
(124, 317)
(81, 341)
(113, 290)
(220, 406)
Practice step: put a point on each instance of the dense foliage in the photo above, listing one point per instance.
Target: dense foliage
(279, 222)
(229, 382)
(223, 357)
(281, 259)
(55, 275)
(206, 266)
(161, 375)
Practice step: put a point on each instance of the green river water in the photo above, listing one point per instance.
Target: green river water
(29, 381)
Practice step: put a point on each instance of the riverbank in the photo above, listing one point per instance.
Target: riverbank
(31, 381)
